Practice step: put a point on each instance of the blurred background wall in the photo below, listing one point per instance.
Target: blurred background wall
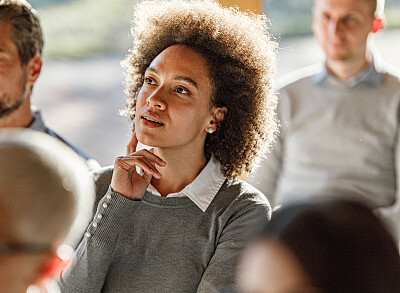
(80, 89)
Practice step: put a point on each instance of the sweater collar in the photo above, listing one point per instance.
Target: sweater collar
(203, 188)
(370, 75)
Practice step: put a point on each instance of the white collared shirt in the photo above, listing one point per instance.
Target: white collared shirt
(203, 188)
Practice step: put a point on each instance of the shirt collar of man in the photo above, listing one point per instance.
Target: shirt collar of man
(370, 75)
(204, 187)
(37, 123)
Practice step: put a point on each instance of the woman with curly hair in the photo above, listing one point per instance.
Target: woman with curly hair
(175, 218)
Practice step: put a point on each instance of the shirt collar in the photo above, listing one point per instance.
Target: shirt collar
(204, 187)
(37, 123)
(369, 75)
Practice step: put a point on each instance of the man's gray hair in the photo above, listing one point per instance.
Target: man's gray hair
(27, 32)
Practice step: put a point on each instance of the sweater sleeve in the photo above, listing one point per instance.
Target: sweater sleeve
(91, 260)
(220, 274)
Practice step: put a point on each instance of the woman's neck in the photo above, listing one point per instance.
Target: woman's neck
(181, 169)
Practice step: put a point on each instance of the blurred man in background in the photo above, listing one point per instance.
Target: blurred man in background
(339, 121)
(45, 190)
(21, 44)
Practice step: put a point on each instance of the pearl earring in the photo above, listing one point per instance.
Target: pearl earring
(210, 130)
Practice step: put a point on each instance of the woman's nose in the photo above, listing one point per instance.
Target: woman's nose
(156, 100)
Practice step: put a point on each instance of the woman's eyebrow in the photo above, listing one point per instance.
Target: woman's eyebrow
(182, 78)
(152, 69)
(187, 79)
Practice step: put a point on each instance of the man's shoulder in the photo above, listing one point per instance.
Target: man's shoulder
(298, 76)
(392, 74)
(39, 125)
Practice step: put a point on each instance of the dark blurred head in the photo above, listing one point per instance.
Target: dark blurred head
(340, 245)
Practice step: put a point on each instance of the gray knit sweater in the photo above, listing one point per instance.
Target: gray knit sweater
(337, 139)
(163, 244)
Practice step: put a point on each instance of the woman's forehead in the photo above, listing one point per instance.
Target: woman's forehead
(182, 63)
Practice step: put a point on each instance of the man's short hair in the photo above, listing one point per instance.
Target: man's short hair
(377, 6)
(44, 189)
(27, 33)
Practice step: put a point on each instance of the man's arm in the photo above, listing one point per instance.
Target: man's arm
(391, 214)
(266, 176)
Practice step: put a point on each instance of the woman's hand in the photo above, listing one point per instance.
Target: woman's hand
(125, 180)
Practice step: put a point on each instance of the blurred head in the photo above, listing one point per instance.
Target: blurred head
(44, 189)
(21, 46)
(239, 68)
(330, 245)
(342, 27)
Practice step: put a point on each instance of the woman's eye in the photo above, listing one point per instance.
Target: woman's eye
(181, 90)
(148, 80)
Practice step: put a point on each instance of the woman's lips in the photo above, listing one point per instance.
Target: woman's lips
(150, 122)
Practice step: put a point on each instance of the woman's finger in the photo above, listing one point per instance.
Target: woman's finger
(127, 163)
(132, 145)
(150, 156)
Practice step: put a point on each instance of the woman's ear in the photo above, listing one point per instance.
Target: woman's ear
(219, 115)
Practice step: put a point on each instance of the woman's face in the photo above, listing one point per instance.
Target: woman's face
(173, 104)
(270, 267)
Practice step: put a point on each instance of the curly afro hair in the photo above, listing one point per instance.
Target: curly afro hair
(242, 60)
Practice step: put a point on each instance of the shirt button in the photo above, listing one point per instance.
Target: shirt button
(88, 234)
(95, 224)
(108, 196)
(105, 205)
(99, 216)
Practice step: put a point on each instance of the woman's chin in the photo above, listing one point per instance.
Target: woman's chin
(146, 142)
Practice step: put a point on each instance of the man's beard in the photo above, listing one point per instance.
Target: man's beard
(6, 108)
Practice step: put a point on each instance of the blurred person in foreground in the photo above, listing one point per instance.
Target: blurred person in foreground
(45, 196)
(339, 120)
(200, 95)
(325, 246)
(21, 44)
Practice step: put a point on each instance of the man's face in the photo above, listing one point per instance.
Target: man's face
(13, 76)
(342, 27)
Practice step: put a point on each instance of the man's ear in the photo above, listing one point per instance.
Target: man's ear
(378, 24)
(33, 69)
